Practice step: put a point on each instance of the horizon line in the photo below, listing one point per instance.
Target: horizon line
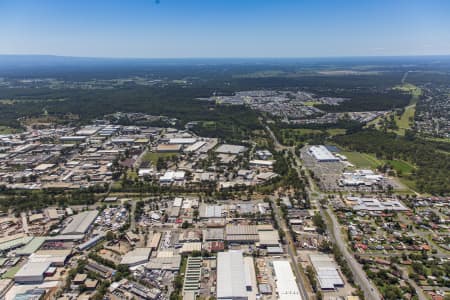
(228, 57)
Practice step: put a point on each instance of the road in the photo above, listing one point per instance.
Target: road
(276, 143)
(370, 291)
(24, 222)
(291, 250)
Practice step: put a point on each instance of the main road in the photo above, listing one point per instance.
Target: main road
(370, 291)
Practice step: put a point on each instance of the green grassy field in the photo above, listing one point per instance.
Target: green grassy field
(8, 130)
(208, 124)
(404, 121)
(336, 131)
(153, 156)
(399, 165)
(11, 272)
(362, 160)
(311, 103)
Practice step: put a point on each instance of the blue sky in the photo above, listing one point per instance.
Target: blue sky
(224, 28)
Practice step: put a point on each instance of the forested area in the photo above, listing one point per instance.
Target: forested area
(432, 159)
(367, 101)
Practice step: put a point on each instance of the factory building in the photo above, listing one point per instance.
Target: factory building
(32, 272)
(80, 223)
(234, 278)
(322, 154)
(136, 257)
(285, 280)
(327, 272)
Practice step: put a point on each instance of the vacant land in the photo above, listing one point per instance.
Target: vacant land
(362, 160)
(153, 156)
(401, 166)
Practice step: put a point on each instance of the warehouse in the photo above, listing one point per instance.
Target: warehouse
(327, 272)
(136, 257)
(210, 211)
(31, 247)
(213, 234)
(183, 141)
(322, 154)
(241, 233)
(373, 204)
(171, 176)
(231, 276)
(80, 223)
(287, 288)
(154, 242)
(163, 148)
(55, 257)
(195, 147)
(268, 238)
(261, 163)
(165, 260)
(14, 243)
(193, 274)
(230, 149)
(32, 272)
(90, 243)
(250, 278)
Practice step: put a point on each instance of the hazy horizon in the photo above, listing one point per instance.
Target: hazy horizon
(224, 29)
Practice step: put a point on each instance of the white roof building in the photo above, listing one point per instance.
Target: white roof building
(286, 284)
(80, 223)
(32, 272)
(230, 149)
(322, 154)
(136, 257)
(231, 275)
(327, 272)
(183, 141)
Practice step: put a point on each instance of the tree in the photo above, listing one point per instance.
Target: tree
(110, 236)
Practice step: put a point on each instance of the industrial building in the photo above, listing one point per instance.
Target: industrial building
(136, 257)
(193, 274)
(322, 154)
(327, 272)
(32, 272)
(210, 211)
(165, 261)
(241, 233)
(231, 276)
(31, 247)
(373, 204)
(80, 223)
(230, 149)
(154, 242)
(287, 288)
(90, 243)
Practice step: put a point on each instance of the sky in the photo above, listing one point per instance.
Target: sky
(225, 28)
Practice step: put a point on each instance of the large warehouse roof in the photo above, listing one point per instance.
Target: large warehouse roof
(136, 257)
(80, 222)
(230, 275)
(286, 283)
(32, 272)
(326, 270)
(230, 149)
(32, 246)
(321, 153)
